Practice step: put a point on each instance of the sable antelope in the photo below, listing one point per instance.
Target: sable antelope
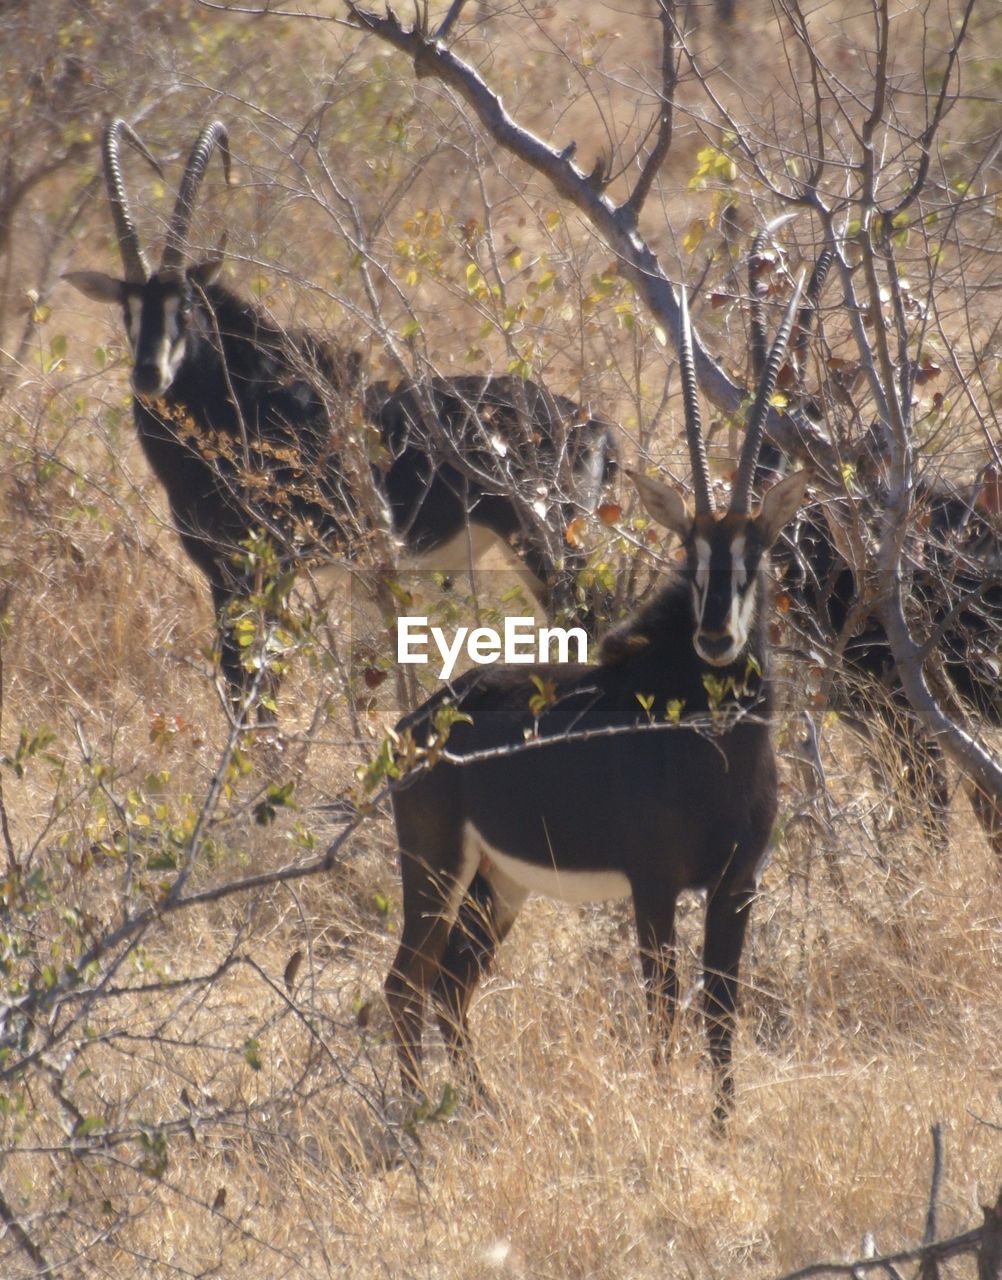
(234, 415)
(956, 591)
(647, 774)
(955, 601)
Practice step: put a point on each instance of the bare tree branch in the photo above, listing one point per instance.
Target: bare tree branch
(666, 114)
(953, 1247)
(942, 104)
(41, 999)
(793, 431)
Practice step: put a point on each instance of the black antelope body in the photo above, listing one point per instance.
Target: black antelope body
(234, 415)
(647, 774)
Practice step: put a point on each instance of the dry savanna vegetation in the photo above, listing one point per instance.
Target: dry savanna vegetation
(196, 917)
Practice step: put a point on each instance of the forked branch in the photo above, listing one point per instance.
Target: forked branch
(616, 224)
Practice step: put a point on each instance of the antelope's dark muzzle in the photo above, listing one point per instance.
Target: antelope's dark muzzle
(146, 379)
(715, 645)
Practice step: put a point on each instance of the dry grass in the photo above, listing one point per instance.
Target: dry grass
(248, 1126)
(854, 1041)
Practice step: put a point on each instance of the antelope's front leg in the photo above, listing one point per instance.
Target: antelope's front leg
(727, 913)
(232, 657)
(655, 917)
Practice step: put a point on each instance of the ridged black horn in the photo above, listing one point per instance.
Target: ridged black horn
(808, 312)
(758, 336)
(690, 397)
(755, 428)
(212, 135)
(758, 339)
(136, 269)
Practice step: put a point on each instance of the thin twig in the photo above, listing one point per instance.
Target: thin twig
(930, 1264)
(937, 1174)
(666, 112)
(12, 863)
(954, 1246)
(38, 1000)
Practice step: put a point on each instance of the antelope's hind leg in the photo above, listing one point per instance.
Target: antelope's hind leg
(431, 902)
(486, 915)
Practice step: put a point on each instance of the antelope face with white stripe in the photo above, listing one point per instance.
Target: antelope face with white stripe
(722, 560)
(156, 313)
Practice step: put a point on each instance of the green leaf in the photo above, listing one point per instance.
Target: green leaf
(88, 1125)
(693, 238)
(275, 798)
(646, 701)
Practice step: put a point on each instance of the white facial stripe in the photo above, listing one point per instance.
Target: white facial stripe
(702, 581)
(172, 351)
(743, 602)
(168, 352)
(742, 617)
(133, 312)
(738, 561)
(702, 563)
(171, 306)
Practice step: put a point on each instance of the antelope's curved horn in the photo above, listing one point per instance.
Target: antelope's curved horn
(136, 268)
(758, 338)
(212, 135)
(808, 312)
(755, 427)
(690, 397)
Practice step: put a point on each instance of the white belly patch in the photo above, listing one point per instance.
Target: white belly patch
(560, 883)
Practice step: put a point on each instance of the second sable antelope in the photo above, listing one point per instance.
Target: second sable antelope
(647, 774)
(955, 598)
(241, 422)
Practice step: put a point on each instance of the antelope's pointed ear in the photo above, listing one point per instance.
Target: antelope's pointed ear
(204, 272)
(96, 285)
(665, 504)
(780, 504)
